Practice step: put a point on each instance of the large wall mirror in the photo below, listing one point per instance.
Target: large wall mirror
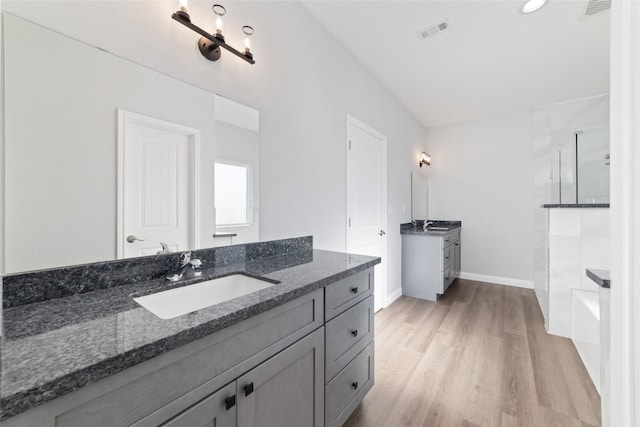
(419, 188)
(63, 158)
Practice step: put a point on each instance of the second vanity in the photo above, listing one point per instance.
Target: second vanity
(430, 258)
(299, 352)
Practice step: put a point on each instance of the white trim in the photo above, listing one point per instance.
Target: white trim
(621, 389)
(363, 126)
(518, 283)
(128, 117)
(391, 298)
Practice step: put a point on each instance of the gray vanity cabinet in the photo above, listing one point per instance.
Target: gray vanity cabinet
(287, 389)
(430, 263)
(349, 345)
(216, 410)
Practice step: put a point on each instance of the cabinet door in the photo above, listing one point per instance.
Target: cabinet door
(216, 410)
(456, 258)
(286, 390)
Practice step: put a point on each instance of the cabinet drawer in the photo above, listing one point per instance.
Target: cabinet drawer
(345, 293)
(345, 392)
(450, 237)
(347, 335)
(219, 409)
(447, 257)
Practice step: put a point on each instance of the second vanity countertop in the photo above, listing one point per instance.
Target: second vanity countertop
(53, 347)
(417, 229)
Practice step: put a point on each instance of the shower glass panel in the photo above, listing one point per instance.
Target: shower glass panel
(593, 166)
(580, 166)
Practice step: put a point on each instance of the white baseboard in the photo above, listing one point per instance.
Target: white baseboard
(518, 283)
(394, 296)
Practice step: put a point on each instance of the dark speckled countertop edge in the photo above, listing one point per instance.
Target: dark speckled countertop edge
(23, 400)
(575, 205)
(601, 277)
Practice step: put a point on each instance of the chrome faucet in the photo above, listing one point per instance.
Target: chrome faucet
(188, 266)
(426, 224)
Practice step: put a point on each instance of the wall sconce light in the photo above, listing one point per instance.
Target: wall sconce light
(210, 44)
(426, 159)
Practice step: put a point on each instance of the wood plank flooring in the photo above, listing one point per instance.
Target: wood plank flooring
(478, 357)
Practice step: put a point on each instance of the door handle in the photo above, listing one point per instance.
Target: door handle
(131, 238)
(381, 233)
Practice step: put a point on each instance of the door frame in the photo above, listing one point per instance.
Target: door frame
(352, 121)
(126, 118)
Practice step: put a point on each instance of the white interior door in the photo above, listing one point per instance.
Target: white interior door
(156, 187)
(366, 198)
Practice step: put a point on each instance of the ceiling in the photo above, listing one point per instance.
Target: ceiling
(492, 59)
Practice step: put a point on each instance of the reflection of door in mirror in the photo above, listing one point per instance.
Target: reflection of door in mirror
(418, 196)
(157, 186)
(236, 173)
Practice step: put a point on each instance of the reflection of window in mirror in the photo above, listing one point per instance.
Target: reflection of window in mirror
(232, 194)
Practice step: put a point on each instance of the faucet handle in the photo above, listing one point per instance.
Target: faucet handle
(185, 258)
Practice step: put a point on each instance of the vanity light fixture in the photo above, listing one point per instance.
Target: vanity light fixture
(426, 159)
(532, 5)
(210, 44)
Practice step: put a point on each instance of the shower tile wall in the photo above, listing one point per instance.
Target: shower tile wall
(547, 121)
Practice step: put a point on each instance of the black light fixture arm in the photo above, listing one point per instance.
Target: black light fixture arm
(210, 47)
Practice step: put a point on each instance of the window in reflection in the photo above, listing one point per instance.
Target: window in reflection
(232, 194)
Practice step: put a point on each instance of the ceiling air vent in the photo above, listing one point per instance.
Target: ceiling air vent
(597, 6)
(434, 29)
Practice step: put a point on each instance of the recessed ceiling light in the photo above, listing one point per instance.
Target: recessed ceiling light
(532, 5)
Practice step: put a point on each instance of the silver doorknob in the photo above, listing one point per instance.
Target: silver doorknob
(381, 233)
(131, 238)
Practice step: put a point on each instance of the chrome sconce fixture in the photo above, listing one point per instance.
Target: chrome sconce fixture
(426, 159)
(210, 44)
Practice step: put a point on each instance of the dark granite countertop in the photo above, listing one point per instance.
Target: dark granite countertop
(601, 277)
(575, 205)
(417, 228)
(53, 347)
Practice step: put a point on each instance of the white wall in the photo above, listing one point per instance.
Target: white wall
(304, 83)
(481, 173)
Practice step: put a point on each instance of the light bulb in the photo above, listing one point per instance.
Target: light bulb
(248, 31)
(533, 5)
(219, 25)
(183, 6)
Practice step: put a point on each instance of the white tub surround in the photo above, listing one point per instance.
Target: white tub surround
(578, 238)
(585, 331)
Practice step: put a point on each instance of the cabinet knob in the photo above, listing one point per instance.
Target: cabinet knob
(230, 402)
(248, 389)
(354, 385)
(354, 333)
(354, 290)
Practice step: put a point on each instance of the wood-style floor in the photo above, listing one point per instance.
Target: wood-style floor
(478, 357)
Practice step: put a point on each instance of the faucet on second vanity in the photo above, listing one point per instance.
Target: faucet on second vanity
(426, 224)
(187, 265)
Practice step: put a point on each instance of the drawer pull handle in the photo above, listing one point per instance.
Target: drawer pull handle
(354, 385)
(447, 257)
(248, 389)
(354, 290)
(354, 333)
(230, 402)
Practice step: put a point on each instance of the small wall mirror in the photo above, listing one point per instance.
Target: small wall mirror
(580, 166)
(419, 194)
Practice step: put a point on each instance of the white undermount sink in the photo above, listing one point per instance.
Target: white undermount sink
(178, 301)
